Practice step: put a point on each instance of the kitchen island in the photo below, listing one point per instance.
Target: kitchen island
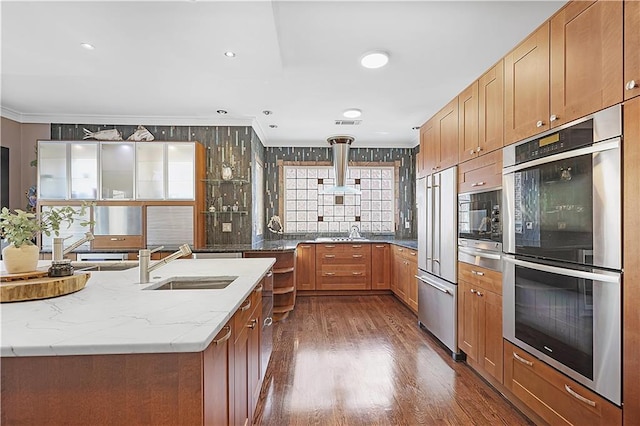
(118, 352)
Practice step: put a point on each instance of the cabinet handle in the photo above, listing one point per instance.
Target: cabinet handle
(328, 274)
(471, 152)
(477, 272)
(412, 253)
(379, 246)
(553, 117)
(117, 239)
(268, 321)
(540, 123)
(631, 84)
(246, 306)
(225, 337)
(259, 289)
(329, 256)
(252, 324)
(472, 291)
(305, 246)
(478, 183)
(357, 246)
(478, 149)
(479, 293)
(522, 360)
(400, 249)
(330, 246)
(356, 255)
(579, 397)
(356, 273)
(270, 274)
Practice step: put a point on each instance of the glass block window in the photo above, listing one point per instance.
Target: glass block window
(308, 209)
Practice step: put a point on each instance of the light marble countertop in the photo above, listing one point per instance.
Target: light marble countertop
(114, 314)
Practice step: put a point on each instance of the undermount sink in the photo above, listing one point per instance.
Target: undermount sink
(195, 283)
(337, 239)
(104, 266)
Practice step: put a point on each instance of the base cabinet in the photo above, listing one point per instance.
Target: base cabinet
(284, 280)
(306, 267)
(554, 397)
(405, 269)
(380, 267)
(343, 266)
(218, 378)
(480, 318)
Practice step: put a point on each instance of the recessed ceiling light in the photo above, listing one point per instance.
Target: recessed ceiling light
(273, 126)
(230, 54)
(87, 46)
(267, 112)
(221, 111)
(352, 113)
(376, 59)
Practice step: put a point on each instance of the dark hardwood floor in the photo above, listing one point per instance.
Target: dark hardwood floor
(362, 360)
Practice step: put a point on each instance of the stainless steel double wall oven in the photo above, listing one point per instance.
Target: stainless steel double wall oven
(562, 249)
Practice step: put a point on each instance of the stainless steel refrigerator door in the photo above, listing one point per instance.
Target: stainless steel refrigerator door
(437, 308)
(447, 252)
(429, 216)
(421, 207)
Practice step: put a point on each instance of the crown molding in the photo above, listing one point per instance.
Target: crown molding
(10, 114)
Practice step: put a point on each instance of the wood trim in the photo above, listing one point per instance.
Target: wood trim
(631, 263)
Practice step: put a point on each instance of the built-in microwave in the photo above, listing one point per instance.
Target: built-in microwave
(479, 216)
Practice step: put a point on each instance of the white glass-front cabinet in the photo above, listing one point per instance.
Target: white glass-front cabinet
(165, 171)
(81, 170)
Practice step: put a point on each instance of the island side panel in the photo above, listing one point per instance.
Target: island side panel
(158, 389)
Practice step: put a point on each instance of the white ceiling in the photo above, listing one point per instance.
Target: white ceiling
(162, 62)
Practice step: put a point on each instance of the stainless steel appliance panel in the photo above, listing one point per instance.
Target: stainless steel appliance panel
(487, 254)
(421, 208)
(437, 309)
(447, 258)
(568, 318)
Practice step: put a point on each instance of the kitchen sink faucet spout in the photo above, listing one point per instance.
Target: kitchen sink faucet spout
(145, 260)
(58, 251)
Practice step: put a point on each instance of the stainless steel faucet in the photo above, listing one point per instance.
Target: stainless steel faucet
(355, 232)
(59, 251)
(145, 259)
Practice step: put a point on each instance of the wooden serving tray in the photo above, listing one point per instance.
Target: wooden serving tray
(42, 288)
(38, 273)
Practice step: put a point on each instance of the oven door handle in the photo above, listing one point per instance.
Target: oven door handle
(597, 147)
(437, 287)
(479, 253)
(567, 272)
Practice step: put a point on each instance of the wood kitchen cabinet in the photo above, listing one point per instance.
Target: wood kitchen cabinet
(284, 280)
(631, 48)
(586, 59)
(468, 123)
(480, 173)
(480, 318)
(380, 266)
(218, 365)
(439, 136)
(491, 109)
(343, 266)
(526, 87)
(405, 269)
(306, 266)
(554, 397)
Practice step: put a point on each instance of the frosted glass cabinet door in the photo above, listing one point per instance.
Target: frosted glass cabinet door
(117, 166)
(52, 170)
(180, 171)
(84, 171)
(150, 171)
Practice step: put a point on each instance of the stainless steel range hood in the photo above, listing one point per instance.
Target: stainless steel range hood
(340, 146)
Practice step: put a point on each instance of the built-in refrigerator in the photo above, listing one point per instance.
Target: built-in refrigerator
(436, 198)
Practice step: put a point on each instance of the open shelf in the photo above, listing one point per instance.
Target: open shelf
(283, 270)
(284, 290)
(234, 181)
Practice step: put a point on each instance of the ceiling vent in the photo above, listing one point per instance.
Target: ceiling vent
(348, 122)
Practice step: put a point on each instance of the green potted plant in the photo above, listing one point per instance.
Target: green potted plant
(20, 228)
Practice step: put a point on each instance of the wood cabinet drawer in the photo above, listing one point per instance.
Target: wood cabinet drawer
(480, 173)
(343, 258)
(552, 395)
(343, 248)
(118, 241)
(342, 281)
(246, 309)
(406, 253)
(477, 275)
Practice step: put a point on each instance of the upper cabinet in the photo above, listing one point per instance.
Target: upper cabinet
(468, 123)
(570, 67)
(586, 59)
(631, 48)
(526, 87)
(439, 138)
(117, 170)
(491, 109)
